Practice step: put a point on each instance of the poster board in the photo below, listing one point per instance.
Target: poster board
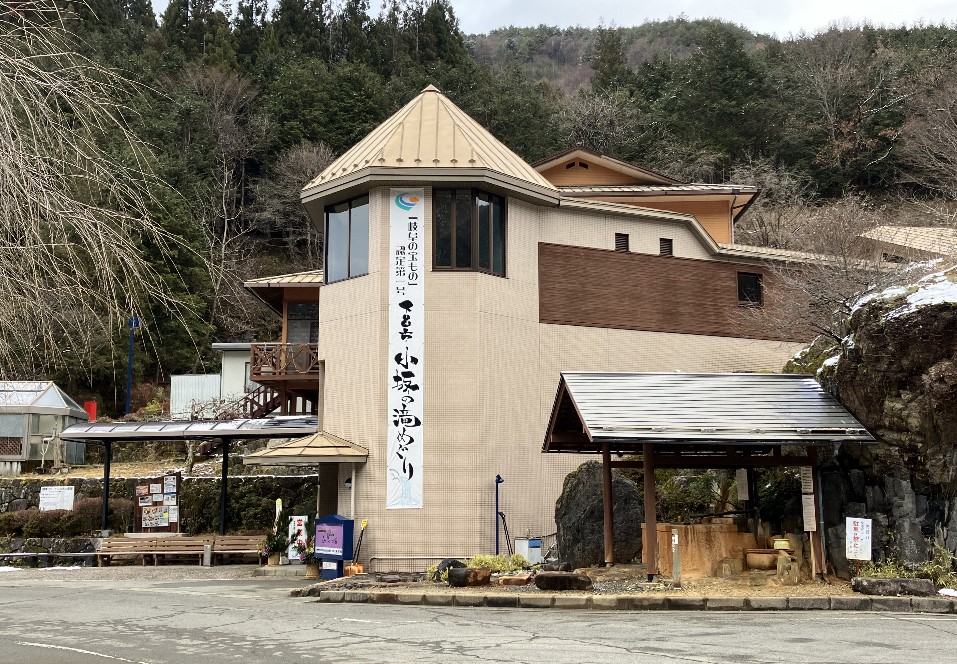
(56, 498)
(858, 538)
(156, 505)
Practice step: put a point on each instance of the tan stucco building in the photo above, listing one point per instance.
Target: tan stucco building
(581, 262)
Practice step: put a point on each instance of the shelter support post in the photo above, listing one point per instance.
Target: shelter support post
(224, 487)
(817, 535)
(650, 536)
(107, 457)
(609, 523)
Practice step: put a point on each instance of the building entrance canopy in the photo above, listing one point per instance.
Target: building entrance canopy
(681, 420)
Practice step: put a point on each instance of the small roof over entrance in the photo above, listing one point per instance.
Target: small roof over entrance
(625, 410)
(321, 447)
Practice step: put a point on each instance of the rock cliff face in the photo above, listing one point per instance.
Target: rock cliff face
(897, 372)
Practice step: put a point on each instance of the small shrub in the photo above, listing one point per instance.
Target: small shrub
(43, 524)
(939, 569)
(501, 563)
(11, 523)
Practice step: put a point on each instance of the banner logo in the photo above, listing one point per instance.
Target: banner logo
(406, 201)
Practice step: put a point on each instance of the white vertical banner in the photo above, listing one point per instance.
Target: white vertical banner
(406, 364)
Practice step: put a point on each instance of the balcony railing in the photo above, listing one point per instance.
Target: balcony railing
(284, 361)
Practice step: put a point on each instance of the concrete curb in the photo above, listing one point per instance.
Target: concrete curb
(648, 602)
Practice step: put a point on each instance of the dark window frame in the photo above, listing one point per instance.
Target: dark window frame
(760, 283)
(351, 202)
(474, 194)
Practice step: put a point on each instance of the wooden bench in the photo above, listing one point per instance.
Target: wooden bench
(236, 545)
(124, 546)
(180, 547)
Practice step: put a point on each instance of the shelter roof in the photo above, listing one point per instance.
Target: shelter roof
(628, 409)
(268, 427)
(929, 239)
(320, 447)
(31, 396)
(428, 139)
(643, 175)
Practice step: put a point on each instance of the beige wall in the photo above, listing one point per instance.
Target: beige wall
(490, 378)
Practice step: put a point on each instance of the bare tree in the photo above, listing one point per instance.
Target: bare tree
(929, 141)
(74, 214)
(279, 209)
(817, 293)
(779, 216)
(241, 133)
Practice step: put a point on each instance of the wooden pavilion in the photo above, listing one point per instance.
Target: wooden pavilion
(677, 420)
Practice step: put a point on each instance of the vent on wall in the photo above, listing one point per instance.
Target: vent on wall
(621, 241)
(666, 246)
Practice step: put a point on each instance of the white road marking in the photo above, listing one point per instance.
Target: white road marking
(79, 650)
(357, 620)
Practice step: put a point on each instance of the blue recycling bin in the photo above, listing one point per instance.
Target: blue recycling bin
(333, 543)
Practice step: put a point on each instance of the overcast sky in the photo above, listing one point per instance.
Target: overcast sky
(780, 17)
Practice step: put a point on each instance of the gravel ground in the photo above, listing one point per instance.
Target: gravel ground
(705, 587)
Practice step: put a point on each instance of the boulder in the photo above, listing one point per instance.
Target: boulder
(579, 516)
(562, 581)
(893, 587)
(446, 564)
(460, 577)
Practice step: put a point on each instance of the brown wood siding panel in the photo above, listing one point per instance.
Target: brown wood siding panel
(586, 177)
(715, 216)
(602, 288)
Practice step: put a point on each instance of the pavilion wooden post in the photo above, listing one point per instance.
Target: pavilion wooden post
(609, 524)
(817, 535)
(224, 487)
(650, 536)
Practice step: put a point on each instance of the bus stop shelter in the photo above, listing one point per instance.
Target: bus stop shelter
(678, 420)
(224, 431)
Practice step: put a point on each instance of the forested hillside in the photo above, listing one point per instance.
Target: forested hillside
(241, 107)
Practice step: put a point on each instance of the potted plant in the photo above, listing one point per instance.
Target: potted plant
(272, 547)
(306, 552)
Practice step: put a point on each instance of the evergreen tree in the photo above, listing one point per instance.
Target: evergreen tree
(609, 62)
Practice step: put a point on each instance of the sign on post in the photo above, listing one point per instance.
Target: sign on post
(858, 538)
(56, 498)
(297, 535)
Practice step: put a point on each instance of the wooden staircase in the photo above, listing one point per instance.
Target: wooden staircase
(254, 404)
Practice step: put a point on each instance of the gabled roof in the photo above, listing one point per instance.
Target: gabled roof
(429, 139)
(642, 175)
(628, 409)
(926, 239)
(32, 396)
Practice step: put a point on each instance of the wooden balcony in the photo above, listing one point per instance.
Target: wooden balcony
(270, 362)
